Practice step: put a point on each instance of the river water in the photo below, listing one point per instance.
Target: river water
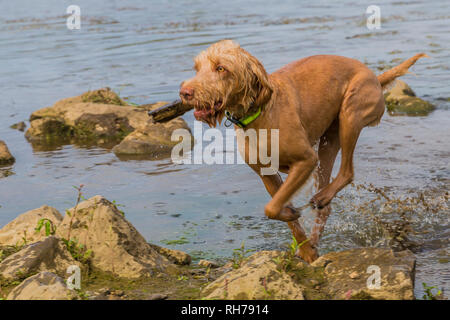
(143, 50)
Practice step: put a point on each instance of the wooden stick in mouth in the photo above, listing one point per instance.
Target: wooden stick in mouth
(170, 111)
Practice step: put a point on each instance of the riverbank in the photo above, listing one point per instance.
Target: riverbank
(41, 251)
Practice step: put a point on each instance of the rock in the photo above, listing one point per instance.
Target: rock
(152, 140)
(106, 294)
(95, 115)
(197, 272)
(23, 227)
(347, 274)
(315, 283)
(208, 264)
(336, 275)
(49, 254)
(119, 293)
(42, 286)
(21, 126)
(107, 126)
(104, 291)
(101, 117)
(117, 247)
(256, 278)
(104, 96)
(5, 156)
(157, 296)
(401, 100)
(48, 130)
(6, 251)
(176, 256)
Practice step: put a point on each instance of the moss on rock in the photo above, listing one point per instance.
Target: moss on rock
(101, 118)
(104, 96)
(6, 157)
(102, 126)
(49, 130)
(401, 100)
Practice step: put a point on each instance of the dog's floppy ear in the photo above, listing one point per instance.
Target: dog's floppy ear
(260, 82)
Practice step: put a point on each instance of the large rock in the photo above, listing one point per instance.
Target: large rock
(101, 117)
(22, 229)
(176, 256)
(42, 286)
(336, 275)
(401, 100)
(49, 254)
(257, 278)
(347, 274)
(153, 140)
(117, 247)
(5, 156)
(94, 115)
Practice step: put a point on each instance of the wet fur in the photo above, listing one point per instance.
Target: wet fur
(325, 98)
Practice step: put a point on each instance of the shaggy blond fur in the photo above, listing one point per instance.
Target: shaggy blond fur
(243, 85)
(327, 99)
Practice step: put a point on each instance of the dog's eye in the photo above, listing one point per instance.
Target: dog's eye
(220, 69)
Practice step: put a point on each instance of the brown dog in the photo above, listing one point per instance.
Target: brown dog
(325, 98)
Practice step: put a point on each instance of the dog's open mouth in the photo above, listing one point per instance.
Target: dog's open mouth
(208, 114)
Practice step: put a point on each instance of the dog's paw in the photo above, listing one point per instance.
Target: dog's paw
(319, 201)
(289, 213)
(307, 253)
(286, 214)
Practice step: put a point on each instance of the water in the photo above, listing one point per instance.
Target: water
(145, 49)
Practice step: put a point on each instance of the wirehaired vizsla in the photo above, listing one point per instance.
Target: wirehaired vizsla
(325, 98)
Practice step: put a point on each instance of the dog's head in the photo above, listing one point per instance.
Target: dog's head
(227, 78)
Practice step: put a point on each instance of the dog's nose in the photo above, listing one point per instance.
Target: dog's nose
(187, 93)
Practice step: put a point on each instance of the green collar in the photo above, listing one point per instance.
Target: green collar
(241, 122)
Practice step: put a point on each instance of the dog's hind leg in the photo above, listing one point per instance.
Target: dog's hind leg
(362, 106)
(328, 149)
(348, 136)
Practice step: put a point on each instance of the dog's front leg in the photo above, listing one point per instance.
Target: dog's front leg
(299, 172)
(277, 209)
(306, 251)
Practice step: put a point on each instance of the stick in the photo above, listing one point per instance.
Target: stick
(169, 111)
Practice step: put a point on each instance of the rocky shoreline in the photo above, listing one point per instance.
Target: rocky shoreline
(116, 262)
(102, 118)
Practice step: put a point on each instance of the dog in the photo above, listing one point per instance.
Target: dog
(324, 98)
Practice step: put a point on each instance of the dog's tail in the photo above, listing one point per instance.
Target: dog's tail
(390, 75)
